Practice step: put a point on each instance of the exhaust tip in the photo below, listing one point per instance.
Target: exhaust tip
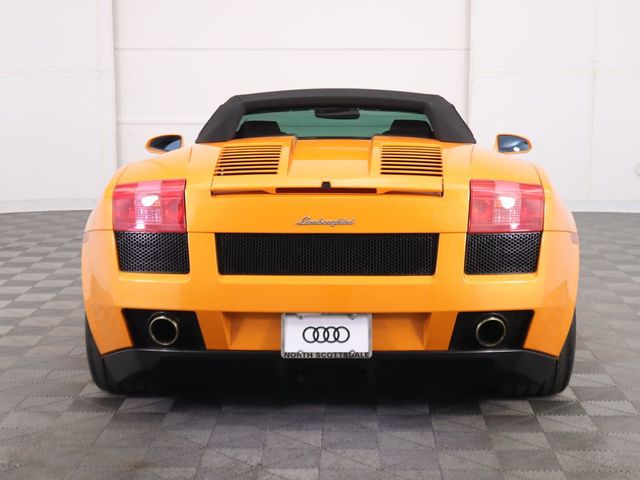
(491, 330)
(164, 330)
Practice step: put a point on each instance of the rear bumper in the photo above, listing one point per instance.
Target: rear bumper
(410, 313)
(488, 367)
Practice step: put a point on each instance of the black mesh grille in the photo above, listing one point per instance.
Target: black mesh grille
(489, 253)
(464, 332)
(326, 254)
(153, 252)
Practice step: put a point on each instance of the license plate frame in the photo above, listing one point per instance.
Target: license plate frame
(326, 336)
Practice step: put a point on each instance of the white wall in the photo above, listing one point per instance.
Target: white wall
(567, 74)
(178, 65)
(79, 77)
(57, 109)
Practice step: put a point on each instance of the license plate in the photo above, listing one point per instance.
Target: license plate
(324, 335)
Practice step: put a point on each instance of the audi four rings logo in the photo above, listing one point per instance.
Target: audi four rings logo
(326, 334)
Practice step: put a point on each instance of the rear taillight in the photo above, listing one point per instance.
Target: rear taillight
(498, 207)
(156, 206)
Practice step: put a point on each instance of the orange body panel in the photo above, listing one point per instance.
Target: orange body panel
(409, 313)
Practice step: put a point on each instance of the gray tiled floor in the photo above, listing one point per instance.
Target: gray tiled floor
(54, 423)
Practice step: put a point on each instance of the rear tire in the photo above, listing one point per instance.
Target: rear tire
(143, 385)
(97, 367)
(558, 379)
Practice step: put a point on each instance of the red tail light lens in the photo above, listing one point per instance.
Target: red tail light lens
(156, 206)
(498, 207)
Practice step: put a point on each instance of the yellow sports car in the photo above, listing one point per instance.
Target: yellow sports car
(332, 228)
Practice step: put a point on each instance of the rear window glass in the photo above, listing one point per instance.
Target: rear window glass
(334, 122)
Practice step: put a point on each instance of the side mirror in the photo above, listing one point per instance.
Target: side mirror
(164, 143)
(510, 143)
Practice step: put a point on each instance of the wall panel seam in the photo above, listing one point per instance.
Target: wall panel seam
(291, 49)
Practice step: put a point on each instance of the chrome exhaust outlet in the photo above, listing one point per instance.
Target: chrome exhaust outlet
(490, 331)
(164, 330)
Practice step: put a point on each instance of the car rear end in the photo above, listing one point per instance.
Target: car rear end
(428, 252)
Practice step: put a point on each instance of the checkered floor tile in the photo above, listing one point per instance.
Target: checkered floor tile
(55, 424)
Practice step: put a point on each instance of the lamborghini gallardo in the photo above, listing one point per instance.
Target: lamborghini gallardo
(332, 228)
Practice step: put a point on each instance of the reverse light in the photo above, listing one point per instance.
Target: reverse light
(155, 206)
(497, 207)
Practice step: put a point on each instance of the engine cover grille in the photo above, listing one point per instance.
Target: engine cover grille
(153, 252)
(249, 160)
(326, 254)
(424, 160)
(500, 253)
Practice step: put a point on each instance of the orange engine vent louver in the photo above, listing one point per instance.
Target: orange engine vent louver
(249, 160)
(424, 160)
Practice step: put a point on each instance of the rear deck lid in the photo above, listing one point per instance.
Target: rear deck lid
(286, 165)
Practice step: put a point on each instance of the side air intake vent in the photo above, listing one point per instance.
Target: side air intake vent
(152, 252)
(502, 253)
(424, 160)
(248, 160)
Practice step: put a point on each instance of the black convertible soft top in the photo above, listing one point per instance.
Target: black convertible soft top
(445, 121)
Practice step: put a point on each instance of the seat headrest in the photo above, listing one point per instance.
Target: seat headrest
(258, 128)
(410, 128)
